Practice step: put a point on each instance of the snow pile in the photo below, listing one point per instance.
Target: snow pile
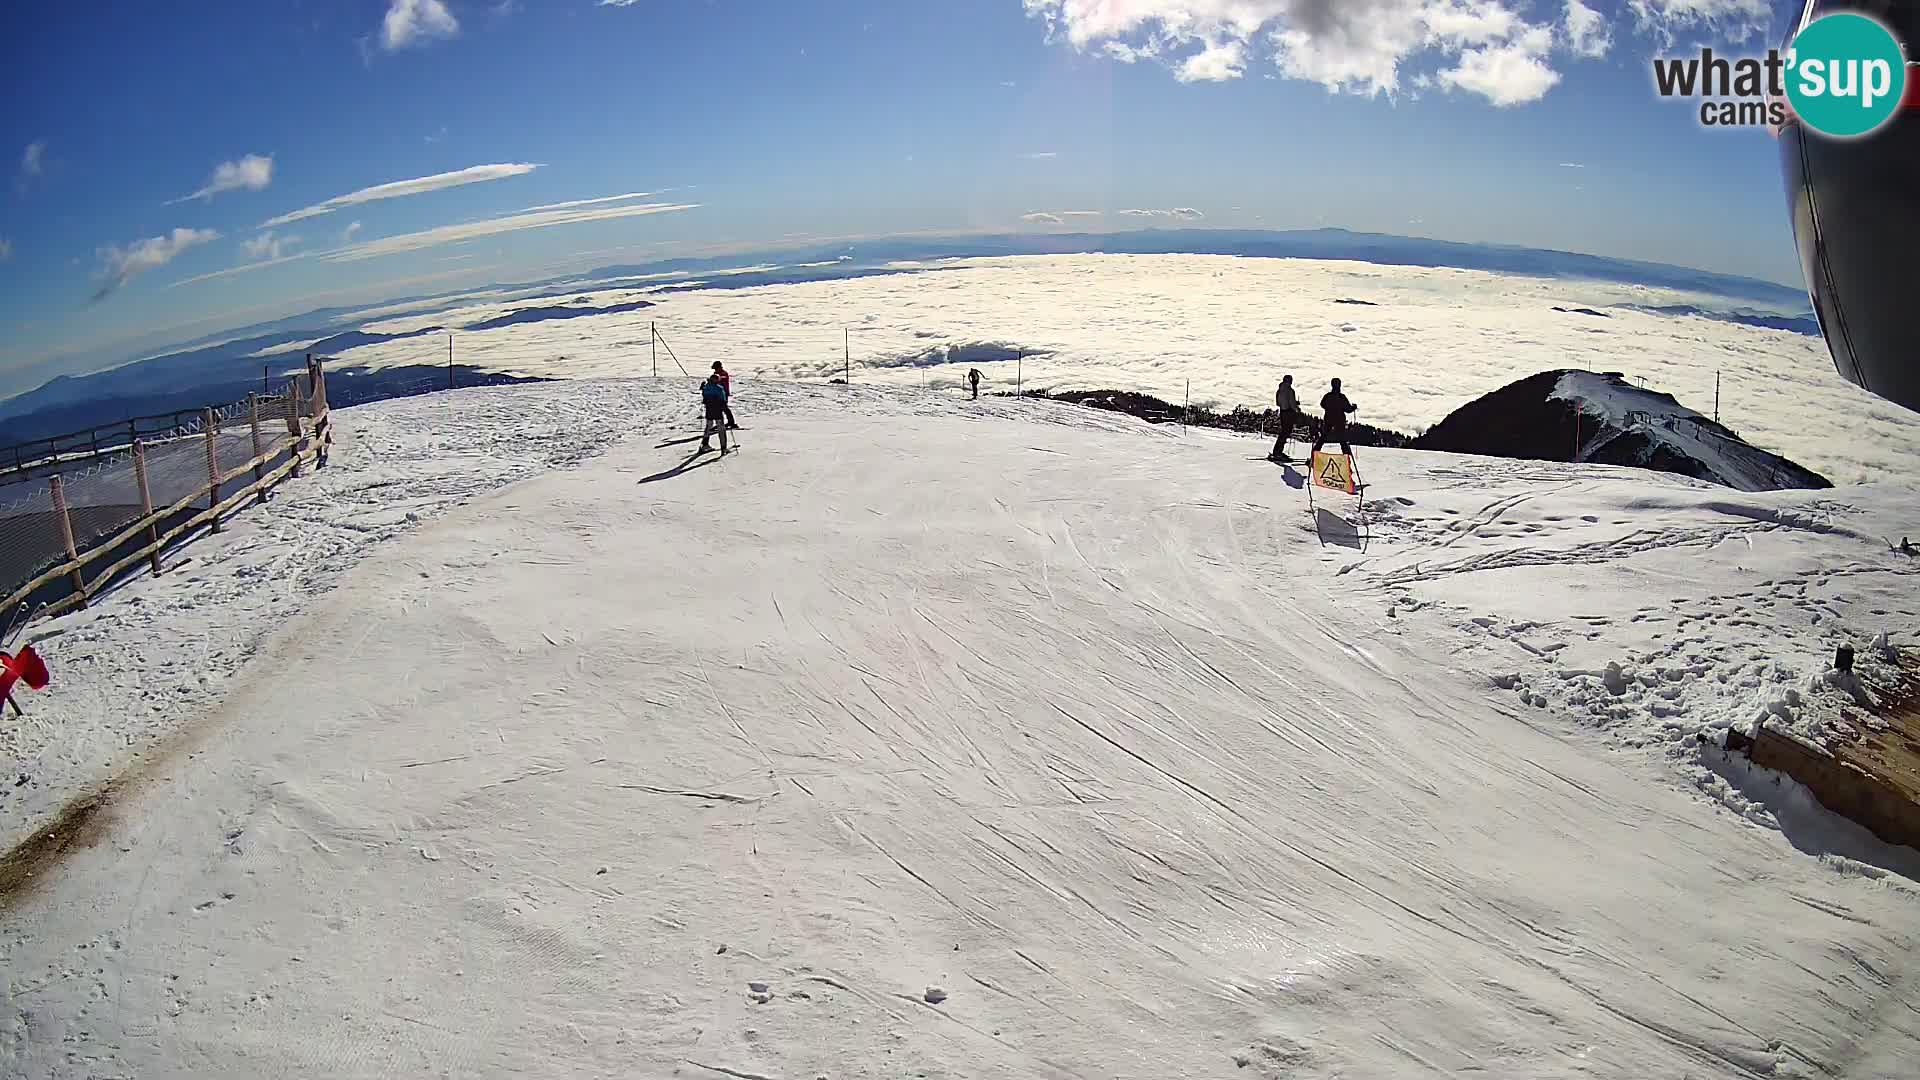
(1566, 415)
(1638, 426)
(933, 737)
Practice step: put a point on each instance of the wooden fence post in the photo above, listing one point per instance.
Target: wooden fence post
(65, 521)
(294, 428)
(146, 500)
(212, 423)
(253, 422)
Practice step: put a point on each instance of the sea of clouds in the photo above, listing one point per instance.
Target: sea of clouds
(1224, 328)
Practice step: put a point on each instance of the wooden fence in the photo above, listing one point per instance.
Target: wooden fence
(93, 565)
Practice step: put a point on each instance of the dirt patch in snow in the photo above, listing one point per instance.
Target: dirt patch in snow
(82, 822)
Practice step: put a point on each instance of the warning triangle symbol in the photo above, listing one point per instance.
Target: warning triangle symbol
(1331, 475)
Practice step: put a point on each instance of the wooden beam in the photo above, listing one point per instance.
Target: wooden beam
(146, 499)
(65, 521)
(211, 421)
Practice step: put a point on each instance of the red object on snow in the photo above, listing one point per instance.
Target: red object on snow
(27, 667)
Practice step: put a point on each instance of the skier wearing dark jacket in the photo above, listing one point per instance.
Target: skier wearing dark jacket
(1288, 404)
(1333, 422)
(726, 383)
(713, 395)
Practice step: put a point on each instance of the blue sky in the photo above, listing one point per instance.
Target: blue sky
(152, 147)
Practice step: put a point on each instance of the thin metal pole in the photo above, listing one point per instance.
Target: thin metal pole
(1020, 375)
(653, 342)
(1186, 408)
(449, 361)
(1716, 397)
(846, 356)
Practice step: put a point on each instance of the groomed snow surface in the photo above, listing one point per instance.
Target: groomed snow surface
(957, 739)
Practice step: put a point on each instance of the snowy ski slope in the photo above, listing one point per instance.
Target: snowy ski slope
(1088, 724)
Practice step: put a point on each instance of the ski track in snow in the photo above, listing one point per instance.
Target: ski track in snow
(425, 770)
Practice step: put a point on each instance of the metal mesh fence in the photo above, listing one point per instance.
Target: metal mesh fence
(54, 508)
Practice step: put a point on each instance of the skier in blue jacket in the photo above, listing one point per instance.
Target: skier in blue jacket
(713, 394)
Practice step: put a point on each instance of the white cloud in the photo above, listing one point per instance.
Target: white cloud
(120, 265)
(1127, 54)
(416, 22)
(243, 268)
(251, 173)
(449, 234)
(268, 245)
(1735, 20)
(1182, 213)
(1572, 165)
(1043, 155)
(618, 3)
(400, 188)
(1347, 46)
(274, 248)
(1216, 63)
(631, 195)
(346, 235)
(1512, 73)
(1586, 30)
(1056, 217)
(1359, 58)
(33, 162)
(1469, 22)
(6, 249)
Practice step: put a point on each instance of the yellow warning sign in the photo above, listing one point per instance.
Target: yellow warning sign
(1333, 471)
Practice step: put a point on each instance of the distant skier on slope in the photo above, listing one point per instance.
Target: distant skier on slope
(713, 394)
(973, 380)
(1288, 402)
(726, 383)
(1333, 422)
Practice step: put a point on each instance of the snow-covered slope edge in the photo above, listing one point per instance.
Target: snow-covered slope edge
(1094, 728)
